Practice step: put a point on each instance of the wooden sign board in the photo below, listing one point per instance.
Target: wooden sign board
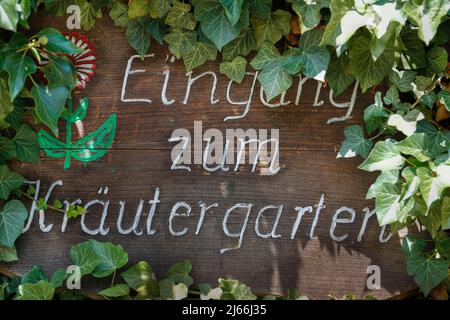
(320, 236)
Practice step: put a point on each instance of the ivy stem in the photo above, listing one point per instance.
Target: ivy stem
(113, 278)
(377, 135)
(194, 292)
(31, 198)
(68, 134)
(32, 80)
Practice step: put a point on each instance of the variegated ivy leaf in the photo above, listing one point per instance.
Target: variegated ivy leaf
(384, 156)
(411, 185)
(406, 124)
(235, 69)
(387, 203)
(387, 14)
(355, 143)
(272, 28)
(389, 177)
(198, 54)
(433, 182)
(427, 15)
(309, 12)
(375, 115)
(416, 146)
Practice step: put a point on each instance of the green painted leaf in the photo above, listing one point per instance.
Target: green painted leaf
(180, 41)
(384, 156)
(9, 17)
(12, 221)
(415, 145)
(198, 54)
(179, 16)
(27, 147)
(433, 183)
(57, 43)
(119, 14)
(84, 256)
(35, 275)
(50, 101)
(241, 46)
(355, 143)
(19, 67)
(375, 115)
(235, 69)
(137, 35)
(427, 273)
(427, 15)
(9, 181)
(8, 254)
(273, 28)
(179, 273)
(115, 291)
(367, 71)
(112, 257)
(141, 279)
(338, 74)
(437, 59)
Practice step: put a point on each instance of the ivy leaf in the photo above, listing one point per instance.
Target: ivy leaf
(8, 254)
(389, 177)
(137, 35)
(179, 16)
(427, 15)
(180, 41)
(437, 59)
(429, 99)
(443, 247)
(112, 257)
(171, 291)
(58, 277)
(233, 290)
(367, 71)
(119, 14)
(415, 145)
(232, 10)
(137, 8)
(207, 292)
(433, 183)
(412, 246)
(57, 43)
(158, 8)
(414, 56)
(19, 67)
(12, 220)
(384, 156)
(392, 97)
(309, 11)
(50, 101)
(315, 62)
(375, 114)
(338, 75)
(60, 70)
(427, 273)
(273, 28)
(84, 257)
(260, 8)
(241, 46)
(275, 79)
(265, 56)
(8, 15)
(7, 149)
(116, 291)
(179, 273)
(444, 98)
(198, 54)
(156, 29)
(235, 69)
(9, 181)
(406, 124)
(42, 290)
(89, 14)
(141, 279)
(355, 143)
(403, 80)
(214, 22)
(35, 275)
(437, 141)
(387, 204)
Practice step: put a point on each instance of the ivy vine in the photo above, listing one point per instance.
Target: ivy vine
(396, 49)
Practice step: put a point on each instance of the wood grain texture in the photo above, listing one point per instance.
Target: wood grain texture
(139, 161)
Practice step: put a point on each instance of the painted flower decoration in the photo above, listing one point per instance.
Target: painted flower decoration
(84, 62)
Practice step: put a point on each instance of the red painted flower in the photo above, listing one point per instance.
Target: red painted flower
(84, 62)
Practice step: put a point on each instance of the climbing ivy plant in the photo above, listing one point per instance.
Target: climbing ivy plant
(397, 50)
